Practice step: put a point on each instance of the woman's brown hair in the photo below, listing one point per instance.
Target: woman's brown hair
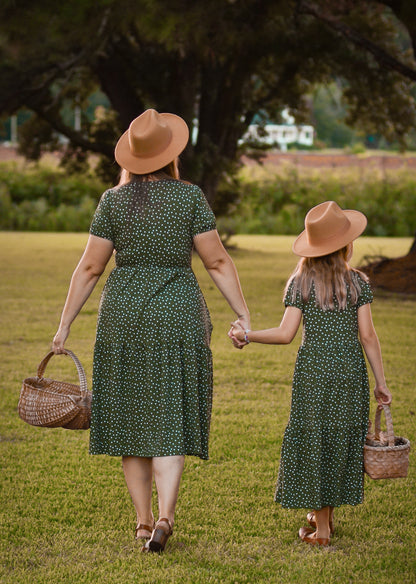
(171, 170)
(140, 200)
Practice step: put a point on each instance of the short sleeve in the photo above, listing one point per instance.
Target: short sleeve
(204, 218)
(292, 297)
(366, 294)
(101, 222)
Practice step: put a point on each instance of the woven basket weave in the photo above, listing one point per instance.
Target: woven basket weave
(52, 404)
(386, 456)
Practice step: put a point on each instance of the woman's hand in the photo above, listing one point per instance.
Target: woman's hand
(236, 334)
(243, 321)
(59, 340)
(382, 395)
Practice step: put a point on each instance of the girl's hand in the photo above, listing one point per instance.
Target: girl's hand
(382, 395)
(59, 340)
(238, 330)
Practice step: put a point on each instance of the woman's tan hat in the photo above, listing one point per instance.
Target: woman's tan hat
(152, 141)
(327, 229)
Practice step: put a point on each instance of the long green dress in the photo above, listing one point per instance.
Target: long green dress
(322, 452)
(152, 373)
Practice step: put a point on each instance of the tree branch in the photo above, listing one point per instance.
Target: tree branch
(75, 137)
(354, 36)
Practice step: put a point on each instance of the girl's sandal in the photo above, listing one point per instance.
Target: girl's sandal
(310, 518)
(161, 533)
(143, 531)
(308, 535)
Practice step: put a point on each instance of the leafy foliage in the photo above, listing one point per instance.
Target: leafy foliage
(215, 63)
(277, 203)
(45, 199)
(41, 198)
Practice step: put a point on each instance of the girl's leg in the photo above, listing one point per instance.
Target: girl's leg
(138, 472)
(322, 522)
(312, 519)
(168, 472)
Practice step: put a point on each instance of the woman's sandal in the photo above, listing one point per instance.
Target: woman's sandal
(308, 535)
(143, 531)
(310, 518)
(161, 533)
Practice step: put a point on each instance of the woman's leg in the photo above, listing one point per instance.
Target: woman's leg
(138, 472)
(168, 472)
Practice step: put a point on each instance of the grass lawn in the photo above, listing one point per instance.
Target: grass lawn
(66, 517)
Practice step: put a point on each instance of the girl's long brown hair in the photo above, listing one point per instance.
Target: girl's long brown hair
(330, 276)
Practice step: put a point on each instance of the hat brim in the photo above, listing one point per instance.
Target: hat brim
(302, 247)
(144, 165)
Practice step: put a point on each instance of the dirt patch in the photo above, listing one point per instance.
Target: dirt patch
(7, 153)
(337, 160)
(393, 274)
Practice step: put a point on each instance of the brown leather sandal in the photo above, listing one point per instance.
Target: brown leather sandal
(161, 533)
(307, 535)
(310, 518)
(146, 529)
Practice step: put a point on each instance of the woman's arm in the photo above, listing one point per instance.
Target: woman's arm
(92, 264)
(222, 270)
(370, 342)
(281, 335)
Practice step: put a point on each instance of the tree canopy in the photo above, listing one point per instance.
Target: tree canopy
(216, 64)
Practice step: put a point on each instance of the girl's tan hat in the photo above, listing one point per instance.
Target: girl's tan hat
(152, 141)
(327, 229)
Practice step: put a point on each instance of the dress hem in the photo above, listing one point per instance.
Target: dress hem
(199, 455)
(321, 506)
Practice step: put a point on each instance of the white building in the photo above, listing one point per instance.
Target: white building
(281, 134)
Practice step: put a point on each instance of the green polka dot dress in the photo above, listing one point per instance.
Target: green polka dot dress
(322, 453)
(152, 374)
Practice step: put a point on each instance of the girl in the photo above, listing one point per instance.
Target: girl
(321, 464)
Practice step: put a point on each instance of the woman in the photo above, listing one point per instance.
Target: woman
(152, 374)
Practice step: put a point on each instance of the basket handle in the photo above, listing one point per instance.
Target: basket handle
(389, 424)
(80, 369)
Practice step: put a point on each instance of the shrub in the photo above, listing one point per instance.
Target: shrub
(277, 203)
(46, 199)
(52, 184)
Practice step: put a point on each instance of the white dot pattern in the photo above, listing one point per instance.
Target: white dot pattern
(322, 452)
(152, 374)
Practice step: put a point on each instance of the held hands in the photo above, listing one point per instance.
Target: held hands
(237, 333)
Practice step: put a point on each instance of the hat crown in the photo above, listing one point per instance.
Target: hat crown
(324, 222)
(149, 134)
(152, 141)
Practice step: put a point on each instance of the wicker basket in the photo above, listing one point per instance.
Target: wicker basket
(386, 456)
(52, 404)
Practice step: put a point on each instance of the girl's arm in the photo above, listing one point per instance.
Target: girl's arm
(370, 342)
(281, 335)
(92, 264)
(222, 270)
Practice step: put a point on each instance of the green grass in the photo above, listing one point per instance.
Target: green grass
(66, 517)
